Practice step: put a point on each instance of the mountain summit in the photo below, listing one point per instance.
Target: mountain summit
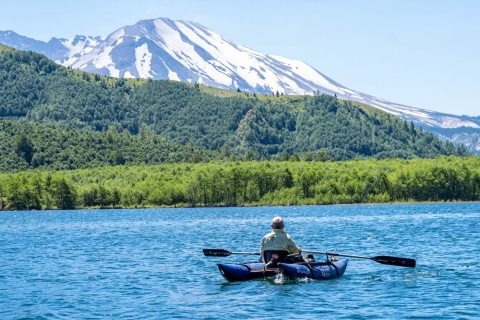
(189, 52)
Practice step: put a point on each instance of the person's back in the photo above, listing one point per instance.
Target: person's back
(277, 240)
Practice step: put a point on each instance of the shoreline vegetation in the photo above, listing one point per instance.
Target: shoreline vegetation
(250, 183)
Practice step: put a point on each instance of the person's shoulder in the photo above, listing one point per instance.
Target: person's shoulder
(268, 235)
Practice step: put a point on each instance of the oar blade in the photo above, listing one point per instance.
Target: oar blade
(395, 261)
(216, 252)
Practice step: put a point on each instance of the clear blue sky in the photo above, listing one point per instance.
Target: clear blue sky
(424, 54)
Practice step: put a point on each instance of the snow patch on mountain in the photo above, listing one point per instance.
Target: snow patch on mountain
(143, 58)
(77, 47)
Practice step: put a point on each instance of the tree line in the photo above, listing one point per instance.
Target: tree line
(245, 183)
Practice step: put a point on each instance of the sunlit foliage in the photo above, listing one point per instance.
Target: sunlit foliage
(246, 183)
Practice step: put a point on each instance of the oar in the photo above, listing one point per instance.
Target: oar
(224, 253)
(393, 261)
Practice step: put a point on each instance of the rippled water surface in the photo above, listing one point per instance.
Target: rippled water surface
(148, 264)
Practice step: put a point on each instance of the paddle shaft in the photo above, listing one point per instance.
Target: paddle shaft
(389, 260)
(248, 253)
(225, 253)
(336, 254)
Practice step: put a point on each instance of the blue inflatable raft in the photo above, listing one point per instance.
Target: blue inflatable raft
(326, 270)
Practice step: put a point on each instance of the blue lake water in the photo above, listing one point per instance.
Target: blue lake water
(148, 264)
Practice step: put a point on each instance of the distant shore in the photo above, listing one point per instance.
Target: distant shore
(184, 206)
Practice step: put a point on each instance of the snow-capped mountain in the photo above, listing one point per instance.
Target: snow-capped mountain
(59, 50)
(187, 51)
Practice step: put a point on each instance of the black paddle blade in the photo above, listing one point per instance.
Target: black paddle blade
(394, 261)
(216, 252)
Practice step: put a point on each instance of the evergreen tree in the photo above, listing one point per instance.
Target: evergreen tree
(64, 194)
(321, 156)
(307, 156)
(295, 157)
(285, 156)
(24, 148)
(249, 155)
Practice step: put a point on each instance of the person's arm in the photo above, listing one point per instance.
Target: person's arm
(292, 247)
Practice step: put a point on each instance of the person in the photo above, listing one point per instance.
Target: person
(277, 240)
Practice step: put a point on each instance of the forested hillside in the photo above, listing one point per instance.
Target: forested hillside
(35, 146)
(35, 89)
(245, 183)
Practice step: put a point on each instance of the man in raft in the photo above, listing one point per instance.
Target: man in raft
(275, 246)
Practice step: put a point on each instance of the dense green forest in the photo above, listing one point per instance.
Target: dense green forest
(245, 183)
(35, 89)
(35, 146)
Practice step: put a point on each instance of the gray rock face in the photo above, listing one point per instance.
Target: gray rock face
(187, 51)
